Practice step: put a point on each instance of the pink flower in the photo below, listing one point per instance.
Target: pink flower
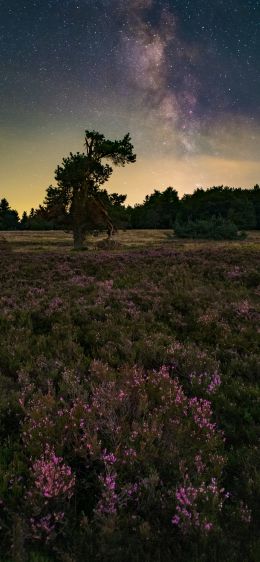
(52, 476)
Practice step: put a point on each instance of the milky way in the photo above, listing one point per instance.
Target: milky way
(153, 54)
(181, 76)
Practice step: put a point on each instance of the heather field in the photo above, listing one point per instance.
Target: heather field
(129, 399)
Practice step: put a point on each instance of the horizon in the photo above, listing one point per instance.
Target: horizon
(126, 203)
(121, 186)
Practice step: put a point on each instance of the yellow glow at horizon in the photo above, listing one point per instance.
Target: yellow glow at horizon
(24, 183)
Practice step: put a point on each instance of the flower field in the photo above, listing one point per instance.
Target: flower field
(129, 403)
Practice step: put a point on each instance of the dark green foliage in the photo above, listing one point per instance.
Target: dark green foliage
(9, 218)
(157, 211)
(222, 202)
(114, 203)
(37, 220)
(161, 209)
(24, 221)
(254, 197)
(211, 229)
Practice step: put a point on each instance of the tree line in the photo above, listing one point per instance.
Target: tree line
(80, 203)
(161, 209)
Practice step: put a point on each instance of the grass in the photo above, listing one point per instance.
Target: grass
(59, 240)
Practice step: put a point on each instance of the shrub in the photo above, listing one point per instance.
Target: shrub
(212, 229)
(129, 405)
(139, 456)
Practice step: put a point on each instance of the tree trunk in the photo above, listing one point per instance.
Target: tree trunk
(78, 237)
(78, 218)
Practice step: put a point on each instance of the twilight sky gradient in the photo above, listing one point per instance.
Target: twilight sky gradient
(182, 76)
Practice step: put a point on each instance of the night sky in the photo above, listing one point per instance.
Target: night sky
(182, 76)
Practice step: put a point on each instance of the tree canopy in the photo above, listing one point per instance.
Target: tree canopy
(9, 218)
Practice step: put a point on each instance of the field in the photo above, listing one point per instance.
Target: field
(129, 399)
(60, 241)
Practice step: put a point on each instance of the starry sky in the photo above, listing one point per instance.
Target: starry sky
(182, 76)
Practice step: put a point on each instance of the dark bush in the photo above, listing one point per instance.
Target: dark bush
(211, 229)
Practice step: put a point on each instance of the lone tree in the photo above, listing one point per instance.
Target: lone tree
(80, 176)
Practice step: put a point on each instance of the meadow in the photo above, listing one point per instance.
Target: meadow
(129, 399)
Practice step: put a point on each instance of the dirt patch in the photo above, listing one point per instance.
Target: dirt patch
(108, 244)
